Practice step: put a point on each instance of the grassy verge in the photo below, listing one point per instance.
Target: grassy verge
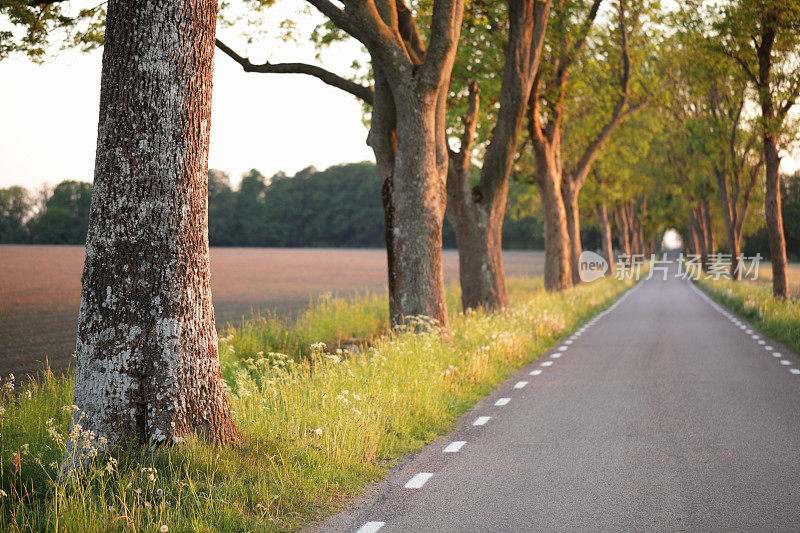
(316, 428)
(779, 319)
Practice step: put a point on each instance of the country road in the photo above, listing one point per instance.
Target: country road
(663, 413)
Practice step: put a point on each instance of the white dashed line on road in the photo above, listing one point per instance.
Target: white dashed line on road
(563, 348)
(481, 420)
(535, 372)
(502, 401)
(556, 355)
(520, 384)
(371, 527)
(777, 354)
(794, 370)
(454, 446)
(418, 480)
(547, 363)
(768, 348)
(785, 362)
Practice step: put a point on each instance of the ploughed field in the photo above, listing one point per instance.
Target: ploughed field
(40, 290)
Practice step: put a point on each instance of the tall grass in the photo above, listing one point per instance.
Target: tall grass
(777, 318)
(317, 423)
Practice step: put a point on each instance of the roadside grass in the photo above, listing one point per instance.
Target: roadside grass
(779, 319)
(316, 426)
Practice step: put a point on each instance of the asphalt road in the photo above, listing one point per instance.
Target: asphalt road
(665, 413)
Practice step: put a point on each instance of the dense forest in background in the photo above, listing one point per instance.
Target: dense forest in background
(336, 207)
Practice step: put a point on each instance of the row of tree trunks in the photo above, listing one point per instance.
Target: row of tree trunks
(606, 236)
(702, 232)
(629, 218)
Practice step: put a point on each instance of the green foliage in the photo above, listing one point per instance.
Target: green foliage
(31, 27)
(315, 431)
(16, 208)
(65, 218)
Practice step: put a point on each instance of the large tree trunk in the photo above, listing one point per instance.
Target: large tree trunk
(605, 232)
(382, 139)
(418, 201)
(479, 238)
(570, 195)
(147, 363)
(477, 212)
(557, 272)
(772, 208)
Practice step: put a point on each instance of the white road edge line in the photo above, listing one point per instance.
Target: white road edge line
(546, 363)
(502, 401)
(520, 384)
(535, 372)
(418, 480)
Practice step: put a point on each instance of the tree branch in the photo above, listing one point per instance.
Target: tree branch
(444, 34)
(578, 175)
(359, 91)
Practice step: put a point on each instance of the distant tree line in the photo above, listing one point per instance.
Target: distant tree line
(336, 207)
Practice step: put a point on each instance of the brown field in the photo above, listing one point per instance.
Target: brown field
(40, 290)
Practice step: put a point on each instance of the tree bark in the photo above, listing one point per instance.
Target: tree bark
(708, 228)
(772, 209)
(418, 202)
(605, 232)
(771, 122)
(408, 137)
(624, 230)
(569, 192)
(147, 363)
(557, 269)
(699, 223)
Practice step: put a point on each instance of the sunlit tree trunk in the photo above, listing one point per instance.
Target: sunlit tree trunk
(774, 217)
(477, 213)
(572, 212)
(147, 363)
(557, 271)
(605, 232)
(624, 230)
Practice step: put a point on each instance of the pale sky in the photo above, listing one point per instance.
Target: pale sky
(49, 113)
